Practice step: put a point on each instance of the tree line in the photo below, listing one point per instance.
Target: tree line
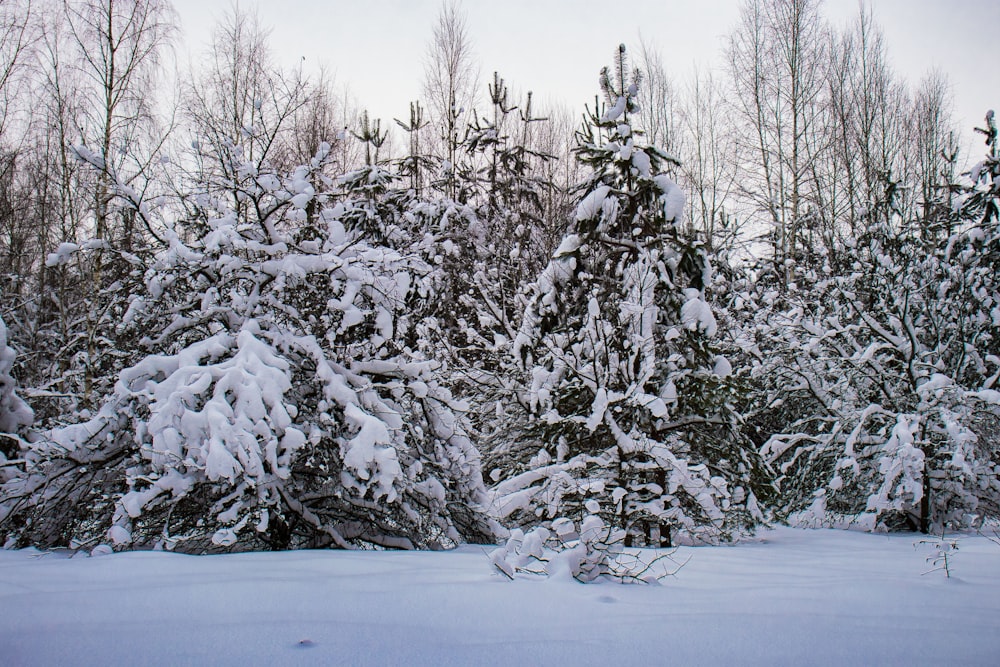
(251, 316)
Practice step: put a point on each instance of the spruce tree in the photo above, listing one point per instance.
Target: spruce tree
(630, 404)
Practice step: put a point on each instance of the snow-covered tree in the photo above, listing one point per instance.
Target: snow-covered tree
(877, 377)
(631, 404)
(494, 244)
(983, 197)
(277, 405)
(15, 415)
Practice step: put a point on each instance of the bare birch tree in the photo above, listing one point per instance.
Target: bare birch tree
(708, 166)
(658, 102)
(16, 28)
(116, 46)
(775, 61)
(935, 152)
(241, 108)
(451, 80)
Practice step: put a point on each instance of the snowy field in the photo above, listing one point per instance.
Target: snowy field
(788, 597)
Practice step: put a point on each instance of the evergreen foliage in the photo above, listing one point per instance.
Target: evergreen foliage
(632, 407)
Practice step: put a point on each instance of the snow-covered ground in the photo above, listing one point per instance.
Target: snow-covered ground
(788, 597)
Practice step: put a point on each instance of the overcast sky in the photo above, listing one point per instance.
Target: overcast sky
(556, 47)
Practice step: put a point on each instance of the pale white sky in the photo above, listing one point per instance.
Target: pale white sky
(557, 47)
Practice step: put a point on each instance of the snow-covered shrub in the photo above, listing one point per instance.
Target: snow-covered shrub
(942, 558)
(278, 405)
(982, 198)
(631, 405)
(15, 415)
(587, 552)
(876, 373)
(70, 327)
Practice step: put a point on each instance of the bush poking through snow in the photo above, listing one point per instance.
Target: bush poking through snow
(587, 552)
(943, 555)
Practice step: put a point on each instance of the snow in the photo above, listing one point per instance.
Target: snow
(641, 163)
(722, 367)
(591, 205)
(370, 456)
(14, 412)
(600, 407)
(672, 198)
(987, 395)
(569, 245)
(615, 112)
(818, 597)
(696, 314)
(62, 254)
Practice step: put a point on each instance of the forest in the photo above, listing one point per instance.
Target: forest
(241, 314)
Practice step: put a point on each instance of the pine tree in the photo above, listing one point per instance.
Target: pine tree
(632, 407)
(983, 198)
(495, 255)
